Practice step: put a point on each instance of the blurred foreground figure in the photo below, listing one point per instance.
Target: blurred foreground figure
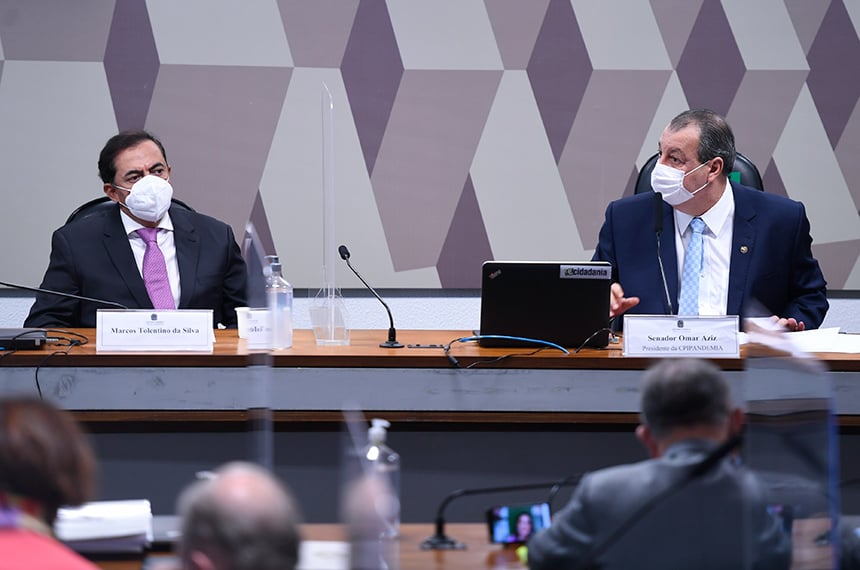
(719, 519)
(45, 463)
(242, 519)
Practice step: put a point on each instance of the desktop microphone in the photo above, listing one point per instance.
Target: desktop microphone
(67, 295)
(699, 469)
(440, 541)
(392, 333)
(658, 231)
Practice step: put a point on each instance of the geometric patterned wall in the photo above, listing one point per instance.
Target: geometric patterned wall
(464, 130)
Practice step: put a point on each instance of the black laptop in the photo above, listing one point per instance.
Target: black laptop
(566, 303)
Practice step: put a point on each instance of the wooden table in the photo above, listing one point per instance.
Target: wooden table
(158, 418)
(312, 383)
(479, 554)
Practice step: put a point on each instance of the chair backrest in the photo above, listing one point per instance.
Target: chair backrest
(744, 172)
(102, 203)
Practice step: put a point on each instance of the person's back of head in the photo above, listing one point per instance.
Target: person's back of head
(44, 457)
(241, 519)
(685, 398)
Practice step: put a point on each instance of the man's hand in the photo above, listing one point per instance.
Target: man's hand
(618, 303)
(790, 324)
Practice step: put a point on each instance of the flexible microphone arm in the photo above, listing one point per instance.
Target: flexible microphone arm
(440, 541)
(61, 294)
(701, 468)
(392, 333)
(658, 231)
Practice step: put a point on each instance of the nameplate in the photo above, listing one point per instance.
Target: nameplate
(259, 329)
(145, 330)
(677, 336)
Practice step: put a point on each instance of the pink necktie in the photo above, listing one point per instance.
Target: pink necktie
(155, 271)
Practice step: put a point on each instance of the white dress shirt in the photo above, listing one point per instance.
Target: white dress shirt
(717, 251)
(165, 244)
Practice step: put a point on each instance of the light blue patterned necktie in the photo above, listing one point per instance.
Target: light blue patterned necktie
(689, 302)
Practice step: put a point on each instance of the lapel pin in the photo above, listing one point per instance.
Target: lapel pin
(744, 249)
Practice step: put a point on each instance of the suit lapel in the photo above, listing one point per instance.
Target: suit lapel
(187, 254)
(743, 244)
(119, 251)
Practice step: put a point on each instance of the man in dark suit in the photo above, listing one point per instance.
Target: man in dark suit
(717, 518)
(757, 255)
(106, 256)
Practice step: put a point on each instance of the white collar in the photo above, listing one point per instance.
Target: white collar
(132, 226)
(715, 218)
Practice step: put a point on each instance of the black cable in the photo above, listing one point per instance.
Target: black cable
(44, 360)
(83, 339)
(591, 336)
(456, 363)
(505, 357)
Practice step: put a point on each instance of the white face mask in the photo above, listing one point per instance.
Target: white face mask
(670, 183)
(149, 197)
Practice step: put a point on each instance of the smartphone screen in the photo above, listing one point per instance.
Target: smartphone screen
(509, 524)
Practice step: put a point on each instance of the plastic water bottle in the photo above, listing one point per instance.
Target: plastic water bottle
(385, 463)
(279, 294)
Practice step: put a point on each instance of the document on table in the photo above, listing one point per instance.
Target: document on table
(815, 340)
(323, 555)
(106, 526)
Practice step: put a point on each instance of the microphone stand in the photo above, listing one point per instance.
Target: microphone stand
(440, 541)
(392, 333)
(658, 231)
(67, 295)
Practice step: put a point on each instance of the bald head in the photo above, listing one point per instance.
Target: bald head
(242, 519)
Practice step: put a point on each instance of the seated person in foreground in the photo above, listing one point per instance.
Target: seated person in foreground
(756, 247)
(191, 261)
(719, 520)
(242, 519)
(45, 463)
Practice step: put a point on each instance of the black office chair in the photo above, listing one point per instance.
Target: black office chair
(103, 203)
(745, 172)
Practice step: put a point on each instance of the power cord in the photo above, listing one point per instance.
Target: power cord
(62, 341)
(456, 363)
(66, 341)
(594, 334)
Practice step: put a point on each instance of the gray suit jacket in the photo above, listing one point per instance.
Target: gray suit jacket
(719, 521)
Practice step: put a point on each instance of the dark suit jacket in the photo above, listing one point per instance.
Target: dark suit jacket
(718, 521)
(92, 257)
(772, 271)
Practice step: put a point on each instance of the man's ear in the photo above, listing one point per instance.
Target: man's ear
(644, 435)
(718, 166)
(111, 192)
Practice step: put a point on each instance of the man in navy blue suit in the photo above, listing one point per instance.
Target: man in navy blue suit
(756, 247)
(103, 256)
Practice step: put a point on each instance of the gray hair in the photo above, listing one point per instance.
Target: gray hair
(685, 392)
(256, 528)
(716, 138)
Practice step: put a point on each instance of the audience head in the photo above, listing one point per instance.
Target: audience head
(118, 143)
(685, 398)
(44, 456)
(241, 519)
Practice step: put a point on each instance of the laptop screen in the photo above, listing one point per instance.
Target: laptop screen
(566, 303)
